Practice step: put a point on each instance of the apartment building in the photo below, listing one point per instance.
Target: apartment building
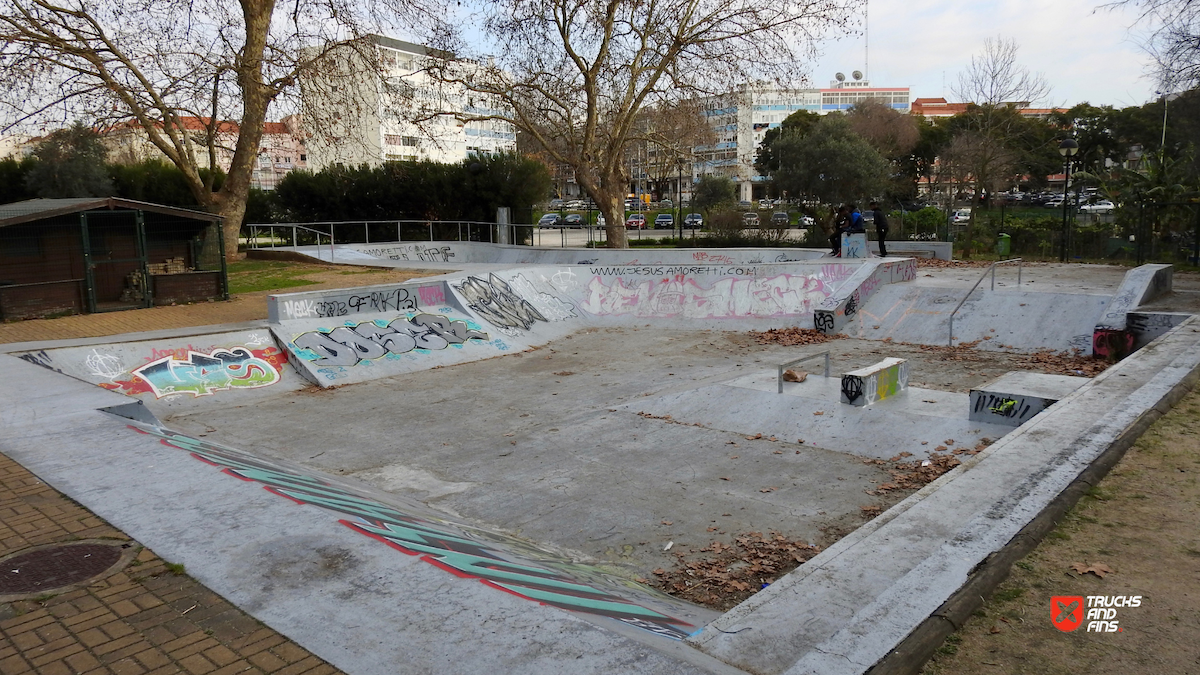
(372, 107)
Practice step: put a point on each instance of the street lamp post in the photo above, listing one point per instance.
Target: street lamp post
(1068, 149)
(679, 198)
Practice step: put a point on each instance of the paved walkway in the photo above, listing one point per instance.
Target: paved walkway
(142, 619)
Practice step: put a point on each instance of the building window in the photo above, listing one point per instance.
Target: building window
(410, 141)
(303, 158)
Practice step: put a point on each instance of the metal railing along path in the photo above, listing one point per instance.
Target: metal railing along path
(992, 269)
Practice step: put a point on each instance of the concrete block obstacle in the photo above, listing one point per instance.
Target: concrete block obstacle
(1146, 327)
(1112, 337)
(854, 245)
(876, 382)
(1015, 398)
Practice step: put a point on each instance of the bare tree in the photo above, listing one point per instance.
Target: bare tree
(997, 87)
(1174, 40)
(197, 77)
(664, 137)
(575, 74)
(995, 78)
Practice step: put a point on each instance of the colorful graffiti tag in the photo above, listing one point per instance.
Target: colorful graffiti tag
(202, 373)
(462, 551)
(497, 302)
(681, 296)
(348, 345)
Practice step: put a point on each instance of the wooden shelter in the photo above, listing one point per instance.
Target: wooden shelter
(98, 254)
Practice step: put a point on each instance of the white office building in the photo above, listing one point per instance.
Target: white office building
(367, 114)
(741, 119)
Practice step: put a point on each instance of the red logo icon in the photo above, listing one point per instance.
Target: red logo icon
(1066, 612)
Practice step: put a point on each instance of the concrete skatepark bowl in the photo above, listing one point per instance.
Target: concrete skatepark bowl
(470, 473)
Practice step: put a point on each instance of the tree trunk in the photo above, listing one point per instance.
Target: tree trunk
(613, 206)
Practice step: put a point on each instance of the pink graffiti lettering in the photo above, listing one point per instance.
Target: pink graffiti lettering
(708, 257)
(431, 296)
(180, 354)
(681, 296)
(835, 272)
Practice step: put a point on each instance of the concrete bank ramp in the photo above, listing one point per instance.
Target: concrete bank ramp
(354, 335)
(366, 580)
(997, 319)
(178, 374)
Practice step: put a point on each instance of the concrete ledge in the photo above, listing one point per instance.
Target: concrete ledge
(911, 655)
(857, 602)
(1015, 398)
(1111, 339)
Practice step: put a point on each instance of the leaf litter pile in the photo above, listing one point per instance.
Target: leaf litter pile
(916, 474)
(730, 573)
(789, 337)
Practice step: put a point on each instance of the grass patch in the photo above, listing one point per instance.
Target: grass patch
(176, 568)
(250, 276)
(1008, 594)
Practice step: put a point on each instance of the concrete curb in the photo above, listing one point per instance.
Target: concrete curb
(915, 650)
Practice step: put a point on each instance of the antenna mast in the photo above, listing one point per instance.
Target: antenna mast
(867, 38)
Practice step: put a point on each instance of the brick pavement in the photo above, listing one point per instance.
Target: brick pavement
(142, 619)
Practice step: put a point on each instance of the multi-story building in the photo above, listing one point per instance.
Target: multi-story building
(281, 148)
(741, 118)
(367, 108)
(940, 107)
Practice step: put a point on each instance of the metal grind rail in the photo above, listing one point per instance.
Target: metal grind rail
(779, 375)
(992, 269)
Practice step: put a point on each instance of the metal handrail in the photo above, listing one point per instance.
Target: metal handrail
(779, 376)
(991, 268)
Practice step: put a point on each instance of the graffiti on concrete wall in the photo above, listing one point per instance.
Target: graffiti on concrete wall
(390, 300)
(495, 301)
(462, 551)
(197, 372)
(548, 305)
(348, 345)
(422, 252)
(432, 296)
(202, 374)
(1011, 409)
(40, 358)
(681, 296)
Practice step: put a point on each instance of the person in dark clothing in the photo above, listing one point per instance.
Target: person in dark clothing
(881, 228)
(840, 222)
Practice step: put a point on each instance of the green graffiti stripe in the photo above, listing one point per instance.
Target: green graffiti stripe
(596, 606)
(536, 583)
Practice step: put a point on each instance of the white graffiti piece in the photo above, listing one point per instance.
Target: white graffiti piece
(299, 309)
(257, 340)
(563, 280)
(495, 301)
(550, 307)
(104, 365)
(347, 345)
(681, 297)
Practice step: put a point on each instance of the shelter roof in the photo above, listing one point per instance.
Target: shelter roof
(38, 209)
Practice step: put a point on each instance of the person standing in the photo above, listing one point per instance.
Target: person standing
(881, 228)
(840, 223)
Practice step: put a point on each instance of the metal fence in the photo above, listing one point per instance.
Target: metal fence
(332, 234)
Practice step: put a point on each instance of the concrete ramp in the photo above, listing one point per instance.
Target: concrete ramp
(173, 375)
(997, 320)
(345, 336)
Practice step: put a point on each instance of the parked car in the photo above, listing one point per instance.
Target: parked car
(807, 221)
(550, 220)
(635, 222)
(556, 204)
(750, 219)
(574, 220)
(693, 221)
(781, 219)
(666, 204)
(664, 221)
(1101, 206)
(961, 216)
(744, 204)
(599, 220)
(764, 203)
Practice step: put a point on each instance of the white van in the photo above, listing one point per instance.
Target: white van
(961, 216)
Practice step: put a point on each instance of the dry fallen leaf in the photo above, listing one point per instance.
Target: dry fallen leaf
(793, 376)
(667, 522)
(1099, 569)
(819, 412)
(994, 629)
(724, 478)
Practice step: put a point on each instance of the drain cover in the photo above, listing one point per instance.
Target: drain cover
(52, 567)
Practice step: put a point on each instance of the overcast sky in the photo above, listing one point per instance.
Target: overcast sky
(1085, 53)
